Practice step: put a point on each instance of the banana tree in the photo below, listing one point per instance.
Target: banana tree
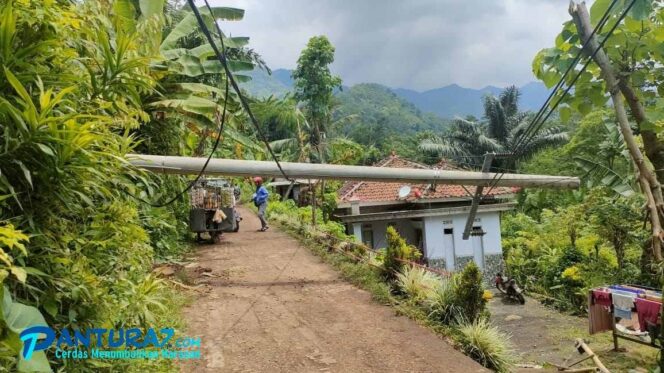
(190, 93)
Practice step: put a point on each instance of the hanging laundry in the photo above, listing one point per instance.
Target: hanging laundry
(648, 311)
(623, 302)
(601, 297)
(600, 318)
(626, 289)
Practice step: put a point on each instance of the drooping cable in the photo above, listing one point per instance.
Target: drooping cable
(207, 161)
(538, 126)
(223, 60)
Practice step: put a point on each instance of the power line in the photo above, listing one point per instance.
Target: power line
(583, 69)
(207, 161)
(229, 75)
(530, 129)
(575, 60)
(221, 56)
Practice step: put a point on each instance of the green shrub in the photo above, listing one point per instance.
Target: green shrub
(469, 292)
(487, 345)
(396, 253)
(417, 283)
(442, 304)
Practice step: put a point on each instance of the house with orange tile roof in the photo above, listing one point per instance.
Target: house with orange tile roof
(431, 217)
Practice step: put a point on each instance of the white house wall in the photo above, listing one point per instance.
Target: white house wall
(435, 250)
(456, 257)
(403, 226)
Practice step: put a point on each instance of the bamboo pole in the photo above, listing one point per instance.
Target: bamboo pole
(582, 345)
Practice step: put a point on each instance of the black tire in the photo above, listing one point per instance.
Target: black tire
(522, 300)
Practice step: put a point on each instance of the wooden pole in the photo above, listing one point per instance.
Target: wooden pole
(312, 190)
(581, 344)
(646, 177)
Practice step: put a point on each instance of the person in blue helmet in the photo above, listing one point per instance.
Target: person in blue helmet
(260, 200)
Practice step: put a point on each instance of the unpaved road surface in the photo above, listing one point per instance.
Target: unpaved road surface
(538, 333)
(279, 308)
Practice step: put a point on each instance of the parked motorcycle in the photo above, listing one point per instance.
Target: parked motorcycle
(509, 287)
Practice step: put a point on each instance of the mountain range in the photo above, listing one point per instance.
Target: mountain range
(446, 102)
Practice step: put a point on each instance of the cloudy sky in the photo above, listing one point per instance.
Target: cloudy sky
(419, 44)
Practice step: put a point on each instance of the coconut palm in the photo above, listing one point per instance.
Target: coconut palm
(502, 130)
(290, 134)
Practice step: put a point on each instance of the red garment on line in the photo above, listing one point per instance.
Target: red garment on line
(602, 298)
(647, 311)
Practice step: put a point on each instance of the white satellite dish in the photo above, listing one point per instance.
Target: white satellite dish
(404, 191)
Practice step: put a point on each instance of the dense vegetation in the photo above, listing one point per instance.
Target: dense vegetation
(82, 84)
(382, 119)
(607, 230)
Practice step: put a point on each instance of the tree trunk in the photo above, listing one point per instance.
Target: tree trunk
(654, 148)
(646, 177)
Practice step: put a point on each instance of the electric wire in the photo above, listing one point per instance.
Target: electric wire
(571, 85)
(222, 58)
(571, 66)
(530, 128)
(207, 161)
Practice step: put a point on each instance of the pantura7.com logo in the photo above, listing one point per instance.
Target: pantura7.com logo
(102, 343)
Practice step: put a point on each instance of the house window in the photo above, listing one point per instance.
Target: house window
(477, 231)
(448, 231)
(367, 235)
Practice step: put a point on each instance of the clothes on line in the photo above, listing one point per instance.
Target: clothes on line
(601, 297)
(648, 311)
(627, 289)
(623, 302)
(600, 318)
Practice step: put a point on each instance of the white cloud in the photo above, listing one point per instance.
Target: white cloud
(412, 44)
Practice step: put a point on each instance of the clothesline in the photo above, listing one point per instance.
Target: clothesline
(625, 309)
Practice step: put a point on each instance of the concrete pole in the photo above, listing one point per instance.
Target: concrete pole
(233, 167)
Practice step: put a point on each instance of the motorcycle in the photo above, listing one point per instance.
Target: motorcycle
(509, 287)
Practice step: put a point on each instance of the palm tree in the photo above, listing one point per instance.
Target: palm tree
(291, 135)
(502, 130)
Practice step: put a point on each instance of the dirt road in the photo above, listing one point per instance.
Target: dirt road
(279, 308)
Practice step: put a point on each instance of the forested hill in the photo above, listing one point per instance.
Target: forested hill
(377, 113)
(264, 85)
(454, 100)
(447, 102)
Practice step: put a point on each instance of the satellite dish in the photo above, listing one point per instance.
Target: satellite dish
(404, 191)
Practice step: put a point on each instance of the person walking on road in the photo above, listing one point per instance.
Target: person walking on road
(260, 200)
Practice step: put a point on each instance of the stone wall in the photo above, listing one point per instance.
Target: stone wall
(438, 263)
(493, 263)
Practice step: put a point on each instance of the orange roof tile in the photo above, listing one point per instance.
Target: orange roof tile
(372, 191)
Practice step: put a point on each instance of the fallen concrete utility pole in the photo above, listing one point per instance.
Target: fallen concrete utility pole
(233, 167)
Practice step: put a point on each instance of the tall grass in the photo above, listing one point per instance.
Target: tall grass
(486, 344)
(417, 283)
(442, 302)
